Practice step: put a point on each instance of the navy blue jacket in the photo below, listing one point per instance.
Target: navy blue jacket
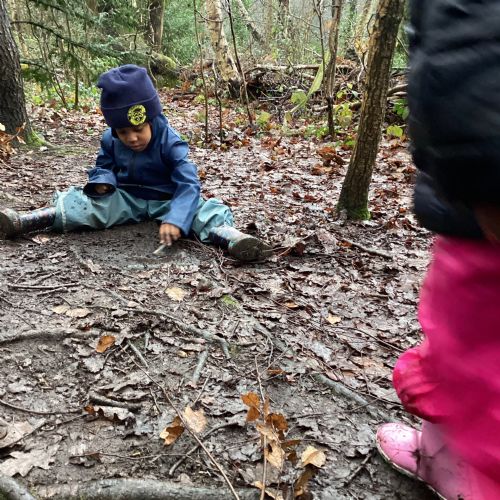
(161, 172)
(454, 98)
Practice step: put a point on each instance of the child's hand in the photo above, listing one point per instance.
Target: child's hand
(169, 233)
(102, 188)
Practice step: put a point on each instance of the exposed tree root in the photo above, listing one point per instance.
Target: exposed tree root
(132, 489)
(10, 489)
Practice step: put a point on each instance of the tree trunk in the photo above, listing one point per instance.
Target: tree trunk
(12, 104)
(224, 61)
(333, 42)
(268, 23)
(354, 194)
(156, 10)
(284, 14)
(249, 22)
(361, 34)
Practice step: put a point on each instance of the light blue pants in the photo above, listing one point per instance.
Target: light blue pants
(75, 210)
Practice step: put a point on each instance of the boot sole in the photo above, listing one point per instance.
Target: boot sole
(250, 249)
(406, 472)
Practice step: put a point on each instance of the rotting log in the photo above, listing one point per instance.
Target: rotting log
(132, 489)
(10, 489)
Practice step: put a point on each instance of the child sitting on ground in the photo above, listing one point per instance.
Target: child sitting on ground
(142, 172)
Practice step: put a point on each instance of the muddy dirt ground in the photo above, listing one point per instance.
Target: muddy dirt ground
(336, 304)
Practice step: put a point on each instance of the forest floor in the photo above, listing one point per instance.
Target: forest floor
(332, 309)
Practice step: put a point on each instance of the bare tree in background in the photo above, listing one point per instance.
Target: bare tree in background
(12, 103)
(354, 195)
(156, 10)
(223, 58)
(333, 42)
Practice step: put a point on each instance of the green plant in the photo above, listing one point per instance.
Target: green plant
(400, 108)
(395, 131)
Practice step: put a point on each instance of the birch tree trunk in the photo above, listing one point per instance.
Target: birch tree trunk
(361, 33)
(12, 104)
(333, 42)
(156, 10)
(354, 195)
(224, 60)
(247, 19)
(268, 23)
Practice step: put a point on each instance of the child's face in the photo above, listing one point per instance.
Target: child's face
(136, 138)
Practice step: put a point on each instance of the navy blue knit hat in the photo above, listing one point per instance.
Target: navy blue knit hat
(128, 96)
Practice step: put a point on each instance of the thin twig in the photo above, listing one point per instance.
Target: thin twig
(186, 425)
(199, 367)
(41, 424)
(358, 469)
(201, 390)
(35, 412)
(264, 438)
(138, 354)
(194, 448)
(373, 251)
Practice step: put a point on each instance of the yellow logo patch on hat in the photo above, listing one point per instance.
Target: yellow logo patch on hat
(136, 114)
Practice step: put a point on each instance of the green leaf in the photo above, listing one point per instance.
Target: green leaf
(299, 97)
(395, 131)
(263, 118)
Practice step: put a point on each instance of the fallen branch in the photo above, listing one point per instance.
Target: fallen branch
(10, 489)
(341, 390)
(291, 69)
(49, 335)
(373, 251)
(199, 367)
(128, 489)
(101, 400)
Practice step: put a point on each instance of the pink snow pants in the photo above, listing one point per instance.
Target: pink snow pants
(453, 377)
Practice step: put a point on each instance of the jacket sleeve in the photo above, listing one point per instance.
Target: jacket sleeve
(454, 96)
(102, 173)
(184, 176)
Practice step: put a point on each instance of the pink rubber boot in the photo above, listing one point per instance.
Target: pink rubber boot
(425, 456)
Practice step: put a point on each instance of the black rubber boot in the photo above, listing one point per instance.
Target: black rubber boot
(241, 246)
(13, 224)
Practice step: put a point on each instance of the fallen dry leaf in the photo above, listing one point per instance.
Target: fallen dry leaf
(278, 421)
(176, 293)
(105, 342)
(273, 493)
(300, 486)
(276, 456)
(333, 320)
(252, 400)
(17, 430)
(111, 413)
(253, 414)
(313, 456)
(21, 463)
(172, 432)
(79, 312)
(196, 420)
(60, 309)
